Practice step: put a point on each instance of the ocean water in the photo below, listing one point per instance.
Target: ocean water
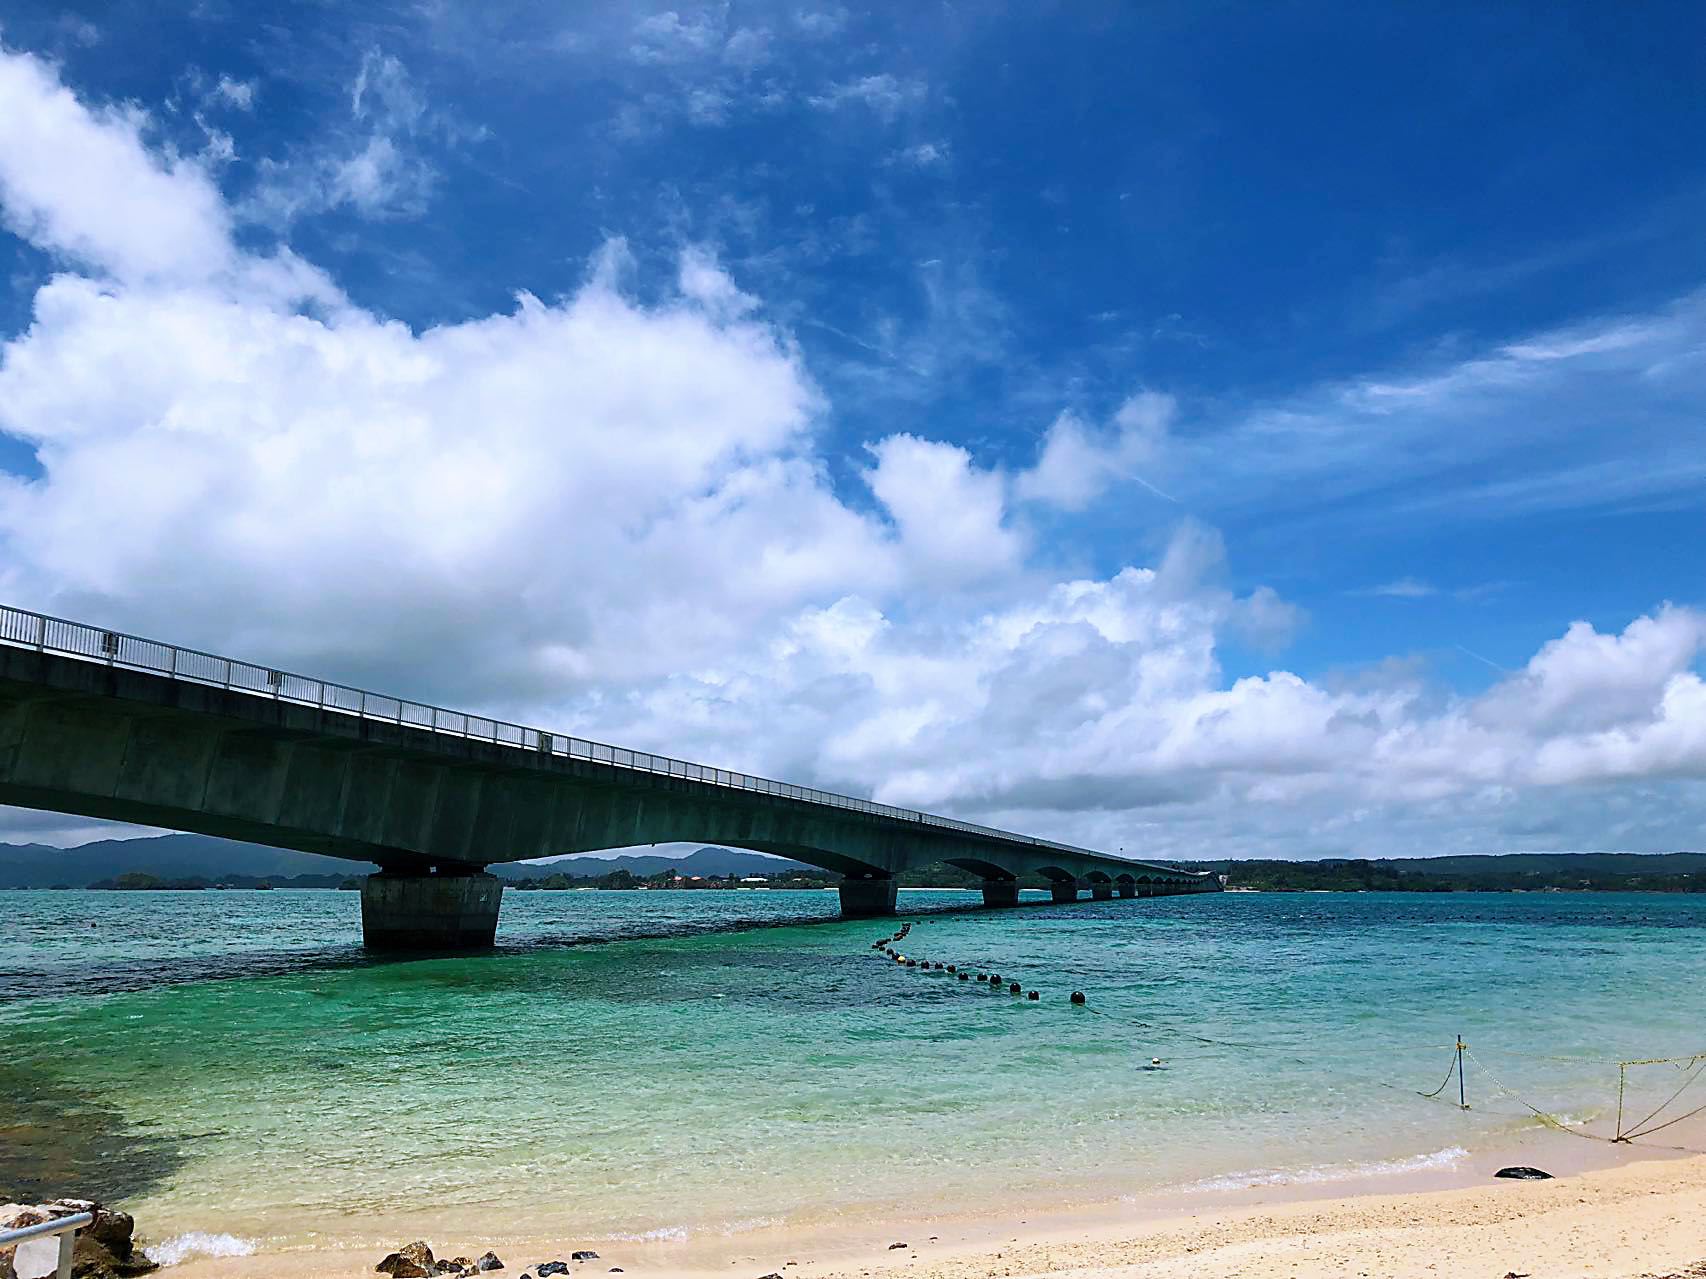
(663, 1065)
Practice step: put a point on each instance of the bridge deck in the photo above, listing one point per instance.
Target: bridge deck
(104, 724)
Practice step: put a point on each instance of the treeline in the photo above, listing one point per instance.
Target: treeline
(1395, 877)
(142, 881)
(933, 876)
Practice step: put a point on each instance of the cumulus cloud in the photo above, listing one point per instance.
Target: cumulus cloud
(62, 165)
(1078, 462)
(615, 517)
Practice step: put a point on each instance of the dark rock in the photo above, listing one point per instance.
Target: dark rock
(411, 1261)
(552, 1268)
(583, 1254)
(893, 1246)
(1523, 1173)
(445, 1266)
(489, 1262)
(104, 1248)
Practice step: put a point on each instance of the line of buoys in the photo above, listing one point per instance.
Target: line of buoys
(994, 981)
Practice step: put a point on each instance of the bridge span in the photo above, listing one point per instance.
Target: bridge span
(102, 724)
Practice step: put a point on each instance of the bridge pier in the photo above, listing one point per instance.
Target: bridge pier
(1128, 890)
(1064, 891)
(867, 898)
(1000, 892)
(430, 912)
(1101, 892)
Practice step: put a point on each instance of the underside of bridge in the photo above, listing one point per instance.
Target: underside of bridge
(434, 809)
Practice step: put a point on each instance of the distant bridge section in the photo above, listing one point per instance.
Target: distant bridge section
(101, 724)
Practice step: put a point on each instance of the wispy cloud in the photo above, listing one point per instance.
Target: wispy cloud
(1598, 415)
(1404, 588)
(374, 161)
(923, 155)
(885, 94)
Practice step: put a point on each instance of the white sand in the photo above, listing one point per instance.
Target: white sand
(1640, 1219)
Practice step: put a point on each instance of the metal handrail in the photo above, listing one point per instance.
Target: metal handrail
(65, 1227)
(21, 628)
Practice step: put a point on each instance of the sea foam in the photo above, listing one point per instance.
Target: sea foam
(1331, 1172)
(170, 1252)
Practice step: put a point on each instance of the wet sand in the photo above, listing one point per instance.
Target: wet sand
(1635, 1219)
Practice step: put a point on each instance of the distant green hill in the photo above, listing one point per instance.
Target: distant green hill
(200, 857)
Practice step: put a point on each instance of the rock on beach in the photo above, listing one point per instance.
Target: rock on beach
(105, 1248)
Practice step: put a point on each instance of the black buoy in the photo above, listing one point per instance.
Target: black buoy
(1077, 996)
(995, 978)
(965, 976)
(1033, 995)
(952, 969)
(1014, 988)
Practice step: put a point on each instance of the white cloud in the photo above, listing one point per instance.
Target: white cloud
(374, 163)
(62, 165)
(1078, 462)
(951, 515)
(923, 155)
(1405, 588)
(822, 23)
(234, 93)
(614, 517)
(1597, 415)
(884, 94)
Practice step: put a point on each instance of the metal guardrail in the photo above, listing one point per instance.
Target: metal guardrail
(65, 1227)
(21, 628)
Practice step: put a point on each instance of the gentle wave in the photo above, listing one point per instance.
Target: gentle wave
(1330, 1172)
(195, 1243)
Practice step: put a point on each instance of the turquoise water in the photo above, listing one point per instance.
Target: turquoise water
(646, 1064)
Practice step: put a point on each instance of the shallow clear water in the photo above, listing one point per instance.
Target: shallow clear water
(645, 1062)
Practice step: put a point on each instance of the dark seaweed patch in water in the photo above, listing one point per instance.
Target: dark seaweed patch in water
(58, 1141)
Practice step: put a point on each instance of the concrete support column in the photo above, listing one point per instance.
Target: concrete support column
(1100, 892)
(1000, 892)
(429, 912)
(1064, 891)
(1127, 890)
(867, 898)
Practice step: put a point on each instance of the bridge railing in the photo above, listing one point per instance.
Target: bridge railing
(23, 629)
(63, 1250)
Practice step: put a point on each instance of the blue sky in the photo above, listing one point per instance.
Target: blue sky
(1382, 325)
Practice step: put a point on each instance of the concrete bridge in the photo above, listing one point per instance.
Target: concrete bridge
(106, 725)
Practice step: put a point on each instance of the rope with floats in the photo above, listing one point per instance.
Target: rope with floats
(1692, 1065)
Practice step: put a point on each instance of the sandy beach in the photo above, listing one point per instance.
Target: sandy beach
(1639, 1220)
